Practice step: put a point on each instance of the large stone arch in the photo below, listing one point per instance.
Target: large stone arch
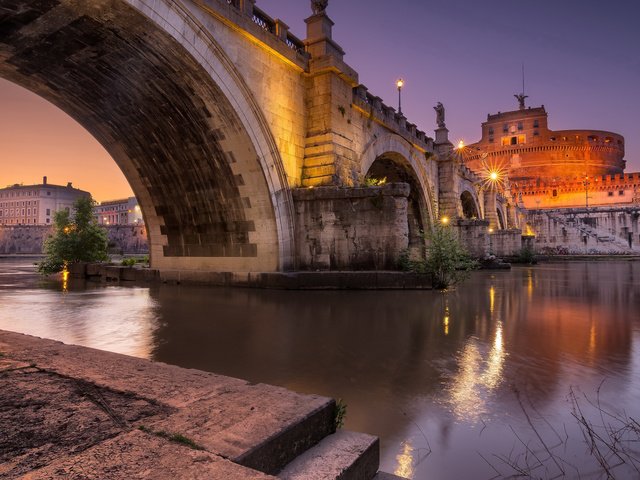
(395, 159)
(397, 147)
(158, 92)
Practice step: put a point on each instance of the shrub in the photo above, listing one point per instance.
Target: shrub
(447, 260)
(75, 239)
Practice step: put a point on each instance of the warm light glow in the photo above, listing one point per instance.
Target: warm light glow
(137, 208)
(529, 231)
(491, 230)
(400, 83)
(444, 220)
(65, 278)
(493, 176)
(405, 461)
(492, 299)
(66, 229)
(460, 144)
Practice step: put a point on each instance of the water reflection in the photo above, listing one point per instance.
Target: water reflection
(420, 369)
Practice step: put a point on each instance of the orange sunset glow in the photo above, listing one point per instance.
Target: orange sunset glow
(38, 139)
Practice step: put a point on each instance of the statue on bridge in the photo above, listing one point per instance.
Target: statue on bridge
(439, 108)
(319, 6)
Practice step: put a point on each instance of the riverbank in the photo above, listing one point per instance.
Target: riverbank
(87, 413)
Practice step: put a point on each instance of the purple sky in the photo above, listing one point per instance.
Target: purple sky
(582, 58)
(582, 61)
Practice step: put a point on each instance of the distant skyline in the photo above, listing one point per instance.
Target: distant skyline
(581, 61)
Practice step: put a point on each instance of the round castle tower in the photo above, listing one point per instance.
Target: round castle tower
(520, 143)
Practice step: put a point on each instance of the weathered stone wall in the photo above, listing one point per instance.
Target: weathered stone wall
(474, 235)
(351, 228)
(128, 239)
(600, 230)
(22, 239)
(28, 239)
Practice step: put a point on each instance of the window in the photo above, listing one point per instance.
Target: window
(490, 130)
(520, 126)
(49, 193)
(514, 140)
(610, 194)
(490, 139)
(555, 193)
(505, 128)
(536, 124)
(48, 211)
(620, 192)
(522, 139)
(536, 133)
(48, 220)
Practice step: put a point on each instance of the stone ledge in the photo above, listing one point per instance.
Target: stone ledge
(328, 193)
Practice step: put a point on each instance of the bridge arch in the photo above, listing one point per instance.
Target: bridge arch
(469, 204)
(158, 92)
(395, 159)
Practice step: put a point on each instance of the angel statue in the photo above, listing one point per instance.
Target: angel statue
(319, 6)
(439, 108)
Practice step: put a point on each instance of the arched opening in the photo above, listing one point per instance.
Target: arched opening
(393, 168)
(189, 156)
(501, 223)
(469, 206)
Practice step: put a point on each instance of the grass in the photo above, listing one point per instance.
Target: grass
(172, 437)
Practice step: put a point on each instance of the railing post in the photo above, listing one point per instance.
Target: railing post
(282, 29)
(247, 7)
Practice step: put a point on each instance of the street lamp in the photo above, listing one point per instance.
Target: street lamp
(444, 220)
(400, 84)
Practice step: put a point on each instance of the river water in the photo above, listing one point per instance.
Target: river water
(483, 381)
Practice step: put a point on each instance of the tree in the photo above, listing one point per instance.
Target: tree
(76, 238)
(447, 260)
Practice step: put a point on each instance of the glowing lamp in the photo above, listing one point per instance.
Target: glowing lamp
(400, 83)
(444, 220)
(460, 144)
(494, 176)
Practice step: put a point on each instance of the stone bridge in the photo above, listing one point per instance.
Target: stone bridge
(224, 124)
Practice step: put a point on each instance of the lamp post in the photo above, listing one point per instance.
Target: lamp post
(400, 84)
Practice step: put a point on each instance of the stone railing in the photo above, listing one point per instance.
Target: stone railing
(388, 117)
(273, 26)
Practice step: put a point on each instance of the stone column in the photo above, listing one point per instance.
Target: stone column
(328, 161)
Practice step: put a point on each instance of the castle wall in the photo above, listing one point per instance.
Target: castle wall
(601, 230)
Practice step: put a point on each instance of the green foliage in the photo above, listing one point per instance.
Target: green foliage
(340, 413)
(172, 437)
(77, 239)
(374, 182)
(447, 260)
(128, 262)
(526, 255)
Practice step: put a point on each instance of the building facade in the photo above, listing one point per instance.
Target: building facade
(553, 168)
(124, 211)
(36, 204)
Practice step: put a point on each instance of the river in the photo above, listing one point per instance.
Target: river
(482, 381)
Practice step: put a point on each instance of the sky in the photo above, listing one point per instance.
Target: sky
(581, 60)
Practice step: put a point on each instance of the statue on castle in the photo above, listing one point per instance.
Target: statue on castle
(439, 108)
(521, 99)
(319, 6)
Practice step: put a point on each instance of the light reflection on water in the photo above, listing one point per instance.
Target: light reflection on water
(426, 371)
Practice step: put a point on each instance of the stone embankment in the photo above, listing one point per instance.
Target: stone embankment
(29, 239)
(77, 413)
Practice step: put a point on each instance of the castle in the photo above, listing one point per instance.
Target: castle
(554, 168)
(571, 183)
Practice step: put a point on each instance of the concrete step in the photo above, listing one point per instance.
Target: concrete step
(343, 455)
